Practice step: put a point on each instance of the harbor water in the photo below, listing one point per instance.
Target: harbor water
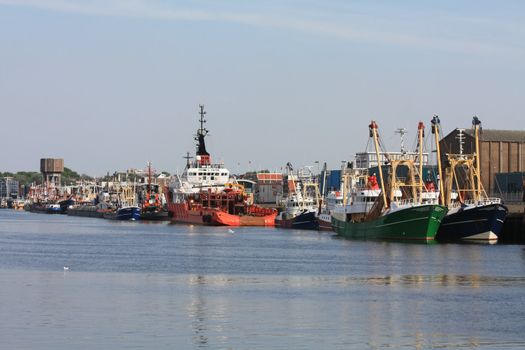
(84, 283)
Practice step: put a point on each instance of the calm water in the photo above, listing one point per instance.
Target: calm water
(150, 286)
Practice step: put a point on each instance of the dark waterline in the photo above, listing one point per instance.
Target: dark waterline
(157, 285)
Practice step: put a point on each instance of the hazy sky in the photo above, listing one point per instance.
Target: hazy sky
(110, 84)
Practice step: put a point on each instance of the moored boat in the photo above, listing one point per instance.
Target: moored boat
(204, 194)
(66, 204)
(89, 210)
(397, 213)
(418, 222)
(472, 215)
(473, 221)
(131, 212)
(44, 208)
(151, 200)
(301, 206)
(333, 200)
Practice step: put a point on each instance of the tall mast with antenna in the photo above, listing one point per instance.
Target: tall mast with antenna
(203, 157)
(461, 140)
(476, 123)
(402, 132)
(188, 158)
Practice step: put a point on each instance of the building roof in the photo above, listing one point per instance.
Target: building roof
(270, 176)
(499, 135)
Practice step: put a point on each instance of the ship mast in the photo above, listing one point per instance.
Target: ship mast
(421, 134)
(373, 132)
(477, 125)
(436, 123)
(203, 157)
(188, 158)
(402, 132)
(149, 178)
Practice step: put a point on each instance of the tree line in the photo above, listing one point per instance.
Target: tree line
(69, 177)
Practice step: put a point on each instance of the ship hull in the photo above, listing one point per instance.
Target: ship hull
(157, 215)
(419, 223)
(483, 223)
(178, 212)
(91, 211)
(303, 221)
(325, 222)
(208, 216)
(65, 205)
(43, 209)
(126, 213)
(224, 219)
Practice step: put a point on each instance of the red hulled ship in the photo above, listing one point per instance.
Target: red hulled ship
(204, 194)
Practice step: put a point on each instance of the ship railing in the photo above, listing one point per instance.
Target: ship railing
(405, 202)
(484, 201)
(211, 165)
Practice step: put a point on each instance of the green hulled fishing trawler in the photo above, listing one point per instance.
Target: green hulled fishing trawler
(396, 211)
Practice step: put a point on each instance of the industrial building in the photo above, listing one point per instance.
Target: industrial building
(9, 188)
(501, 151)
(269, 187)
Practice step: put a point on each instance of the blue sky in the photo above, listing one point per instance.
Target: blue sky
(110, 85)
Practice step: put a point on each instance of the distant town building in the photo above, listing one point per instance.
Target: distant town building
(501, 151)
(9, 188)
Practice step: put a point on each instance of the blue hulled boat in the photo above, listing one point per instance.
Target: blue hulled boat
(475, 222)
(307, 220)
(124, 213)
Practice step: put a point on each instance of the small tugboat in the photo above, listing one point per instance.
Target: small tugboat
(150, 200)
(472, 215)
(206, 195)
(398, 213)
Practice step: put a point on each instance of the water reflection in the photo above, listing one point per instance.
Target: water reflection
(439, 280)
(197, 310)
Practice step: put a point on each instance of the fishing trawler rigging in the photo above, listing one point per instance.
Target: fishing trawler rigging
(398, 211)
(472, 214)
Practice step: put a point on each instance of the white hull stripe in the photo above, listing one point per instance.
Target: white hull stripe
(486, 236)
(301, 222)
